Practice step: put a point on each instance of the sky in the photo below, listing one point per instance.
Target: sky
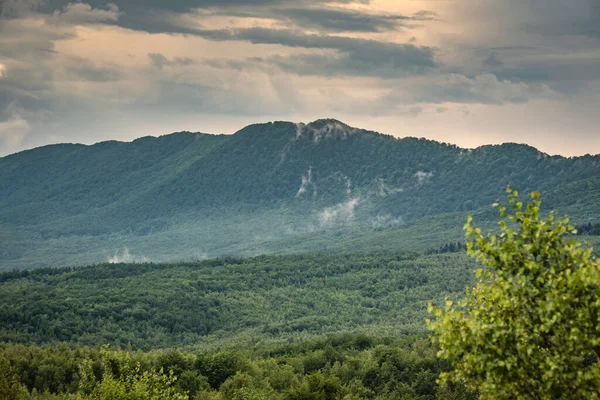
(468, 72)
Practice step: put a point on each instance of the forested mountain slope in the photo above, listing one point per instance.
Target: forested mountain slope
(269, 188)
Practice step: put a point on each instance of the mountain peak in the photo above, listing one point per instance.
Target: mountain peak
(324, 122)
(327, 128)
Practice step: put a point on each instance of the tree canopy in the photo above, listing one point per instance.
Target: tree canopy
(529, 329)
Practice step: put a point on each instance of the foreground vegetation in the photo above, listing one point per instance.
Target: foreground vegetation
(530, 328)
(340, 367)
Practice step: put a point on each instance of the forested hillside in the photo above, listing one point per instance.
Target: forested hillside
(271, 327)
(233, 302)
(269, 188)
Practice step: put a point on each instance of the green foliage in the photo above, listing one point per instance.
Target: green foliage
(217, 367)
(230, 301)
(318, 387)
(376, 370)
(530, 328)
(10, 387)
(124, 379)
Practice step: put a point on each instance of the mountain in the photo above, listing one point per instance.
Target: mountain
(269, 188)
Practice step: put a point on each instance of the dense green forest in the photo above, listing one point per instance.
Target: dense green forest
(267, 299)
(311, 327)
(588, 229)
(338, 367)
(268, 189)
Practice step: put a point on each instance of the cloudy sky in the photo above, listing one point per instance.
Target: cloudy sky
(469, 72)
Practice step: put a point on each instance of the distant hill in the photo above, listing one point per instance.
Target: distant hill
(270, 188)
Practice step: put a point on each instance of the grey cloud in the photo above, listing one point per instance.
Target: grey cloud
(456, 88)
(152, 21)
(583, 18)
(158, 16)
(391, 65)
(511, 48)
(415, 111)
(83, 13)
(358, 56)
(32, 85)
(492, 60)
(435, 87)
(159, 60)
(18, 8)
(31, 103)
(86, 71)
(554, 70)
(546, 17)
(425, 15)
(339, 20)
(161, 16)
(74, 12)
(180, 6)
(183, 6)
(550, 42)
(25, 87)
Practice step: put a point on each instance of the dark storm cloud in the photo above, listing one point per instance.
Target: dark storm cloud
(367, 53)
(183, 6)
(158, 16)
(178, 6)
(354, 57)
(360, 56)
(558, 69)
(338, 20)
(553, 71)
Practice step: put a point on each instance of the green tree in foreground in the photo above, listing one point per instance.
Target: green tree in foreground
(530, 328)
(124, 379)
(10, 387)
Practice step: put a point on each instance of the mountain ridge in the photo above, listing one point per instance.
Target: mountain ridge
(310, 125)
(268, 188)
